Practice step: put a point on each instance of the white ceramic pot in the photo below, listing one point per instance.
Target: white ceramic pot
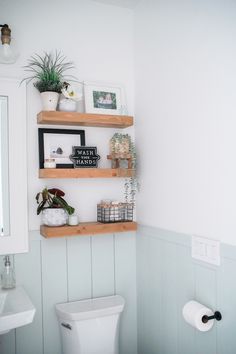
(67, 105)
(73, 220)
(54, 217)
(49, 100)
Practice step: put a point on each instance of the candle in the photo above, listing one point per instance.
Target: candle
(49, 163)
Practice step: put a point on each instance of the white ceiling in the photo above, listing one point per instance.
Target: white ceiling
(122, 3)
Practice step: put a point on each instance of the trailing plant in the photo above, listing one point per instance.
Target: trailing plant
(122, 144)
(48, 70)
(52, 198)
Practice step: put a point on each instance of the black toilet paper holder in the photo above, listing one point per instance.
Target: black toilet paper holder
(217, 316)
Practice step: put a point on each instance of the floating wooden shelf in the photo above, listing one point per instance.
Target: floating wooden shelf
(85, 172)
(84, 119)
(87, 228)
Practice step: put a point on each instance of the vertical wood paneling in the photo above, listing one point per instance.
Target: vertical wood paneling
(185, 291)
(79, 268)
(226, 304)
(103, 282)
(28, 274)
(60, 270)
(54, 290)
(169, 304)
(7, 343)
(150, 317)
(155, 280)
(143, 301)
(167, 277)
(178, 279)
(125, 285)
(205, 282)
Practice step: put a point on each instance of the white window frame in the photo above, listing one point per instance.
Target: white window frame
(17, 241)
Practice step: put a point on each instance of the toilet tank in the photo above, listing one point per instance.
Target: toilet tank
(90, 326)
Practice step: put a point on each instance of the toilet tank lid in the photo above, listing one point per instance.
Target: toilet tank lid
(91, 308)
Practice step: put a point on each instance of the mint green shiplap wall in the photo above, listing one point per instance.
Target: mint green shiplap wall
(68, 269)
(167, 277)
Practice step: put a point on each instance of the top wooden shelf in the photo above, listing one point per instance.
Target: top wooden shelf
(84, 119)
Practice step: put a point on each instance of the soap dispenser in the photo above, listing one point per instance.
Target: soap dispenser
(8, 275)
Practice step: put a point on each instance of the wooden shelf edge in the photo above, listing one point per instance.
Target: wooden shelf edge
(84, 119)
(87, 228)
(85, 172)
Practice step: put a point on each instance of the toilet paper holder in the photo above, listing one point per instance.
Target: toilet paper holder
(217, 316)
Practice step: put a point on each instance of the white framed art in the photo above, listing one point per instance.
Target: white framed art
(103, 98)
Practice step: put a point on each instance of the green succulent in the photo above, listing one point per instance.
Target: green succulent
(131, 185)
(48, 71)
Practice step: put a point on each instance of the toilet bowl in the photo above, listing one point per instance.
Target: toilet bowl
(90, 326)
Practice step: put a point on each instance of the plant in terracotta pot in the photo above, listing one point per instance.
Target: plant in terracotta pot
(48, 72)
(54, 208)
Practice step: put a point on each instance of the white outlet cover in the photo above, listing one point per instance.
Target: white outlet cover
(206, 250)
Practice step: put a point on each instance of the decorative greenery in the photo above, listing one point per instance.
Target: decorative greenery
(48, 71)
(122, 143)
(52, 198)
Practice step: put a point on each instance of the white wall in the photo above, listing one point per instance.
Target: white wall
(185, 57)
(99, 40)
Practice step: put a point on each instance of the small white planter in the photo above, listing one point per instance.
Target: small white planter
(49, 100)
(67, 105)
(54, 217)
(73, 220)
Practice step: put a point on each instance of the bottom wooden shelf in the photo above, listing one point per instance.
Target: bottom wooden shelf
(85, 172)
(87, 228)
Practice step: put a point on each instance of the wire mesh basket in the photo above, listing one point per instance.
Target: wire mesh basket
(108, 213)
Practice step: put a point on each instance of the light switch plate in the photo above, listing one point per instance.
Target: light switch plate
(206, 250)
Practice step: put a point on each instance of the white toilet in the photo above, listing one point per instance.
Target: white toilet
(90, 326)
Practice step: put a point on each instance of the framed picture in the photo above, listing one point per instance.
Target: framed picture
(101, 98)
(57, 144)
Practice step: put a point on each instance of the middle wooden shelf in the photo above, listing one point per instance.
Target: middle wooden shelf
(85, 172)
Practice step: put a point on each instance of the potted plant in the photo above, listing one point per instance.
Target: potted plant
(69, 99)
(54, 208)
(122, 145)
(48, 71)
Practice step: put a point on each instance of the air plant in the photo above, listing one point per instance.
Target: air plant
(48, 71)
(52, 198)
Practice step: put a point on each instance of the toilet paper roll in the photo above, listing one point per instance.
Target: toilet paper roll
(193, 312)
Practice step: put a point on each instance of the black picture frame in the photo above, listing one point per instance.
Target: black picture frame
(41, 140)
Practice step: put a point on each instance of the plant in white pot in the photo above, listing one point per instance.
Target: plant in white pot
(54, 208)
(48, 71)
(69, 99)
